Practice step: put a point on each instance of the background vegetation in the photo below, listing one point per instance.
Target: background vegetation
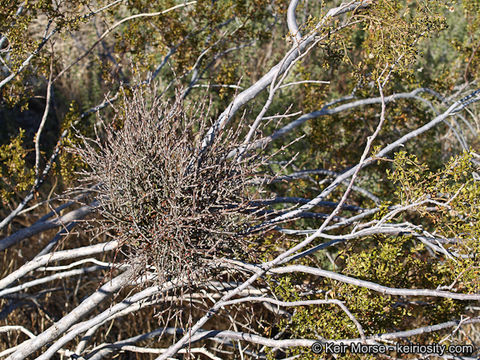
(107, 106)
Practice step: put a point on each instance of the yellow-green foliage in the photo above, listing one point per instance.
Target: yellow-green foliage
(15, 175)
(470, 47)
(204, 26)
(457, 208)
(69, 162)
(392, 31)
(402, 261)
(453, 188)
(25, 32)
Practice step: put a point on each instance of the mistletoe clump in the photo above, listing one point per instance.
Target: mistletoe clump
(174, 207)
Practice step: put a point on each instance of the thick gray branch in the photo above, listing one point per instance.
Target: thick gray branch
(29, 347)
(373, 286)
(245, 96)
(45, 225)
(58, 256)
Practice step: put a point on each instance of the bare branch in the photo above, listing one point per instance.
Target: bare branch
(41, 226)
(89, 304)
(58, 256)
(373, 286)
(291, 56)
(292, 22)
(326, 110)
(46, 279)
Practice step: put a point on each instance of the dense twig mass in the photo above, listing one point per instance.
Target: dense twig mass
(171, 206)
